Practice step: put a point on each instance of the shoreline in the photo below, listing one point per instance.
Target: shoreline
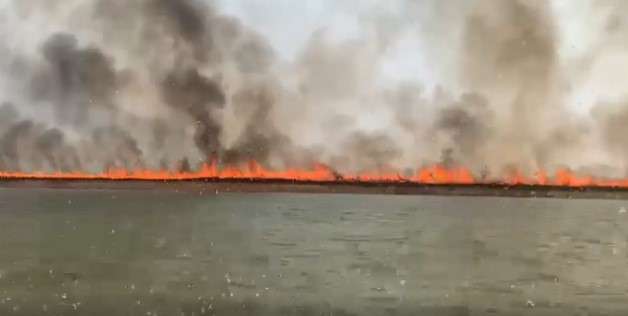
(338, 187)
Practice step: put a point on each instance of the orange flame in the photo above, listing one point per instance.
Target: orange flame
(436, 174)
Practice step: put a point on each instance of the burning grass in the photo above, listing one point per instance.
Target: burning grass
(254, 172)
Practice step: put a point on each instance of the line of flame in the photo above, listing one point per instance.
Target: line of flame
(253, 171)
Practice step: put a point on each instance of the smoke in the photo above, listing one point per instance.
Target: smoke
(196, 95)
(465, 123)
(161, 84)
(73, 79)
(510, 55)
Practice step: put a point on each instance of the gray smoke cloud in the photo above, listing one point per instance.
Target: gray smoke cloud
(510, 55)
(164, 84)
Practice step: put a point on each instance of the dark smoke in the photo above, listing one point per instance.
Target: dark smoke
(8, 114)
(48, 143)
(465, 123)
(190, 92)
(259, 138)
(74, 79)
(511, 55)
(10, 144)
(187, 20)
(371, 152)
(179, 54)
(123, 152)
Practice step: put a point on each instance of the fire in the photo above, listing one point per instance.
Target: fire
(436, 174)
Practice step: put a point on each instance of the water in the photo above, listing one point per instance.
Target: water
(141, 252)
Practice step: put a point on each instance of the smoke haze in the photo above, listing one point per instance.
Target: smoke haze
(162, 84)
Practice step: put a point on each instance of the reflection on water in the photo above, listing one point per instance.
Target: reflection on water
(68, 252)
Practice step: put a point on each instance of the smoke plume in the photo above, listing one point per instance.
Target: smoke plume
(164, 84)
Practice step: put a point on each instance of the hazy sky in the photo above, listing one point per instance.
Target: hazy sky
(288, 24)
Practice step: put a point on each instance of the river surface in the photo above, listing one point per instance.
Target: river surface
(161, 253)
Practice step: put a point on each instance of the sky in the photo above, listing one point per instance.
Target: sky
(289, 24)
